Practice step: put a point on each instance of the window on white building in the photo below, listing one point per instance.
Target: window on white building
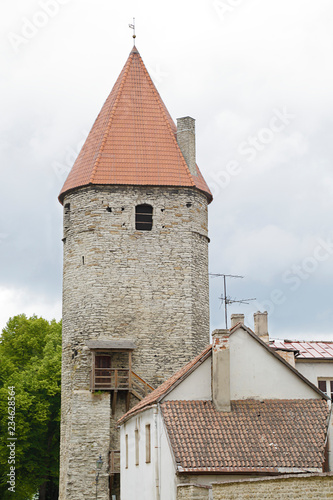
(148, 445)
(326, 386)
(126, 451)
(136, 434)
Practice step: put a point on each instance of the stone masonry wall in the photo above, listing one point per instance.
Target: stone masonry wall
(192, 492)
(118, 283)
(85, 411)
(301, 487)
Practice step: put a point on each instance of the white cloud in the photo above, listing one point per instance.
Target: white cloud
(228, 74)
(16, 301)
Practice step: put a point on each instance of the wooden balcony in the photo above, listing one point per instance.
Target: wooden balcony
(119, 379)
(112, 379)
(106, 375)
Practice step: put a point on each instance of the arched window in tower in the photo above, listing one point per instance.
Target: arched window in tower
(143, 217)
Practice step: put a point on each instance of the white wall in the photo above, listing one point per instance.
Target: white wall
(197, 386)
(313, 370)
(138, 481)
(255, 373)
(168, 478)
(153, 481)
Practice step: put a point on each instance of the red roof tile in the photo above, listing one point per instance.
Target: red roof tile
(255, 436)
(133, 140)
(310, 350)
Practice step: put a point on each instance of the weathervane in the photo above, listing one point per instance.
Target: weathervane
(132, 26)
(227, 300)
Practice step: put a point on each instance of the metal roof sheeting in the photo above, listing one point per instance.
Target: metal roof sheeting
(306, 350)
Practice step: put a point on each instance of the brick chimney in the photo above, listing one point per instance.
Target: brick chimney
(186, 141)
(288, 356)
(237, 318)
(261, 325)
(221, 370)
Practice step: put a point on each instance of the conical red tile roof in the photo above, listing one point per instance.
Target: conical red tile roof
(133, 140)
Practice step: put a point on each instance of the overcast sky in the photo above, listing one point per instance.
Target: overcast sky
(257, 77)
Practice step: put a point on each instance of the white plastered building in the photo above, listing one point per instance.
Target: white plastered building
(237, 410)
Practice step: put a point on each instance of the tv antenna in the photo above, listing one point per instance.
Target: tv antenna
(224, 298)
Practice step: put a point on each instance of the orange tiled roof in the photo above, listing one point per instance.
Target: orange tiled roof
(255, 436)
(133, 140)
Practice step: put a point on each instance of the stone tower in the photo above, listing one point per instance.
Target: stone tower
(135, 278)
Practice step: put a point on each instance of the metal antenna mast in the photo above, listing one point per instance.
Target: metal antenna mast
(132, 26)
(224, 298)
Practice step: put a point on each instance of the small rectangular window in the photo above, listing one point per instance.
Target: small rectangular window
(322, 385)
(136, 434)
(148, 444)
(126, 451)
(326, 386)
(143, 217)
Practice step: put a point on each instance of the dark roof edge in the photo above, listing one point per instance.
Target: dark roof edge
(310, 360)
(122, 420)
(274, 471)
(185, 375)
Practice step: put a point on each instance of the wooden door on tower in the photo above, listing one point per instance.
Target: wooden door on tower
(103, 371)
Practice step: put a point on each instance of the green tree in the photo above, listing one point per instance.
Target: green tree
(30, 363)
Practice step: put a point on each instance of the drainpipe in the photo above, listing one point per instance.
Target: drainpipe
(156, 456)
(328, 439)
